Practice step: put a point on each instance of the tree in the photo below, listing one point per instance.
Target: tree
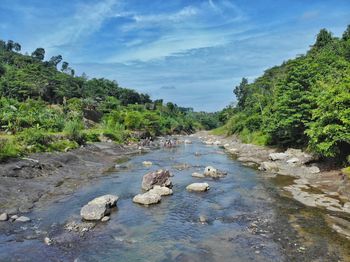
(323, 38)
(2, 70)
(2, 45)
(55, 60)
(64, 66)
(241, 92)
(39, 54)
(17, 47)
(10, 45)
(346, 34)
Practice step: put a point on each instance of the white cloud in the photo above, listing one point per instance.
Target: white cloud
(86, 20)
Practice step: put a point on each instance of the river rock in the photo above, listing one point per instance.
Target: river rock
(278, 156)
(94, 211)
(210, 171)
(147, 198)
(198, 175)
(4, 217)
(161, 190)
(314, 170)
(23, 219)
(48, 241)
(160, 177)
(202, 219)
(187, 141)
(105, 219)
(147, 163)
(198, 187)
(107, 200)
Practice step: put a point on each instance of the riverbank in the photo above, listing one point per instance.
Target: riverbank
(314, 184)
(47, 177)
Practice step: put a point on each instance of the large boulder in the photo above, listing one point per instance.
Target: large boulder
(198, 187)
(160, 178)
(108, 200)
(94, 211)
(97, 208)
(147, 198)
(161, 190)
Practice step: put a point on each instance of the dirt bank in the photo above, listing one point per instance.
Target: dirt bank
(44, 177)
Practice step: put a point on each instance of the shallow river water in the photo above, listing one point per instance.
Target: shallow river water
(249, 218)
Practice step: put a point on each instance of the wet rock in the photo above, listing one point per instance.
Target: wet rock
(293, 160)
(181, 166)
(160, 177)
(147, 163)
(161, 190)
(202, 219)
(147, 198)
(13, 218)
(198, 175)
(105, 219)
(210, 171)
(198, 187)
(107, 200)
(4, 217)
(23, 219)
(278, 156)
(94, 211)
(187, 141)
(79, 227)
(48, 241)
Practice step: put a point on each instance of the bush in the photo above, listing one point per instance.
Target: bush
(35, 139)
(74, 131)
(8, 149)
(62, 145)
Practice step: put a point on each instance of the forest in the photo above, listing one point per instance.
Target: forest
(303, 103)
(45, 106)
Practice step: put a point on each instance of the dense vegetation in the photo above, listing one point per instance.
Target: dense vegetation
(44, 106)
(305, 102)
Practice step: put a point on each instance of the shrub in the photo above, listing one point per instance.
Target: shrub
(62, 145)
(74, 131)
(35, 139)
(8, 149)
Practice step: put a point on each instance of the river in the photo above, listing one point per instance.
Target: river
(248, 218)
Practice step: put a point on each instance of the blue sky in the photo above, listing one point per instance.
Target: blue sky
(190, 52)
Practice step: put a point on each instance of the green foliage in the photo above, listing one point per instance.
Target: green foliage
(8, 148)
(62, 145)
(305, 102)
(74, 130)
(35, 139)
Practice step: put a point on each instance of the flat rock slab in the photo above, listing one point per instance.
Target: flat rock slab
(198, 175)
(198, 187)
(108, 200)
(147, 198)
(23, 219)
(161, 190)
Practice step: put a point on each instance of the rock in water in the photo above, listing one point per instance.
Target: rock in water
(210, 171)
(108, 200)
(198, 187)
(23, 219)
(160, 177)
(161, 190)
(105, 219)
(147, 163)
(213, 172)
(94, 211)
(198, 175)
(97, 208)
(147, 198)
(4, 217)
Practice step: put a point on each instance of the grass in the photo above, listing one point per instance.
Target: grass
(220, 131)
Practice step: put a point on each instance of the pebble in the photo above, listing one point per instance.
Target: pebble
(4, 217)
(48, 241)
(105, 219)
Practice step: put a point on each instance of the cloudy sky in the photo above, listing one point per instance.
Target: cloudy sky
(190, 52)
